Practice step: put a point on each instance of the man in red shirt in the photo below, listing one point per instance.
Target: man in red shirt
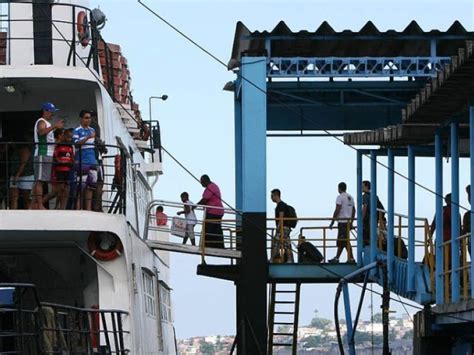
(213, 227)
(446, 231)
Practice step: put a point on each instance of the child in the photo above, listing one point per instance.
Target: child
(161, 217)
(58, 137)
(190, 217)
(63, 160)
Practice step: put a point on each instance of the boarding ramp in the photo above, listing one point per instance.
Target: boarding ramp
(169, 233)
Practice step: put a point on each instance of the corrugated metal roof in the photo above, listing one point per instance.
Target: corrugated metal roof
(369, 41)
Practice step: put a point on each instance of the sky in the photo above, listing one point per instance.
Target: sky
(197, 124)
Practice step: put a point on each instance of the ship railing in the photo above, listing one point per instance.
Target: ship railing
(93, 53)
(215, 237)
(28, 326)
(108, 195)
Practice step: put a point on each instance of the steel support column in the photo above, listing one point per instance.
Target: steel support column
(238, 150)
(373, 206)
(390, 215)
(360, 224)
(252, 311)
(471, 149)
(347, 308)
(439, 218)
(455, 279)
(411, 220)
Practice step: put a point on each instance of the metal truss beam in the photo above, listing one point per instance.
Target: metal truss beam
(355, 67)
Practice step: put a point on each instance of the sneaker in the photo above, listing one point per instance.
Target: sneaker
(351, 261)
(334, 261)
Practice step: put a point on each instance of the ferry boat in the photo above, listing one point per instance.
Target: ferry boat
(77, 281)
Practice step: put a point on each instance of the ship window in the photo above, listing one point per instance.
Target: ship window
(149, 292)
(165, 302)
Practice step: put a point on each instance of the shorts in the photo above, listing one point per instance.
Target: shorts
(42, 166)
(88, 177)
(23, 182)
(189, 231)
(61, 177)
(100, 171)
(342, 235)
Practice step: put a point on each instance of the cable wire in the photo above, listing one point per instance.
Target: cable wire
(99, 80)
(328, 133)
(298, 113)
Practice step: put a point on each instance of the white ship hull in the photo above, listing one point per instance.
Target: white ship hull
(51, 249)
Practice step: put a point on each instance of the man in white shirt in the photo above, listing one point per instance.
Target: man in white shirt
(344, 214)
(44, 148)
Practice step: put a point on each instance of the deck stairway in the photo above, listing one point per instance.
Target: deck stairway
(131, 123)
(283, 316)
(422, 293)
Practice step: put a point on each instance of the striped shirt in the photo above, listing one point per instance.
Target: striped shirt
(42, 148)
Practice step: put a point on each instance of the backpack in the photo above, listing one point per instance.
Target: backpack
(291, 213)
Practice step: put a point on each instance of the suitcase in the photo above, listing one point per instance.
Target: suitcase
(308, 253)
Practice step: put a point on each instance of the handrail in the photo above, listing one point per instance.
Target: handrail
(233, 223)
(402, 215)
(174, 204)
(464, 267)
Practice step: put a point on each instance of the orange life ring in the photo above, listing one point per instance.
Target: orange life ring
(104, 246)
(83, 31)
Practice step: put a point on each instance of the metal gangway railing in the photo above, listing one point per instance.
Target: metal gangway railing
(315, 230)
(28, 326)
(464, 266)
(212, 237)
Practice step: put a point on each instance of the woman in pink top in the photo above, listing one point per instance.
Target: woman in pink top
(212, 197)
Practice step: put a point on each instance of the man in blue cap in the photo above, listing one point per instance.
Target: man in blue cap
(44, 149)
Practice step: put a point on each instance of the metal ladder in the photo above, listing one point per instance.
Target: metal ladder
(283, 314)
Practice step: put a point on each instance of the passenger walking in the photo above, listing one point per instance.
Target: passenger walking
(21, 176)
(344, 213)
(84, 137)
(366, 212)
(190, 216)
(44, 148)
(447, 211)
(213, 216)
(161, 217)
(281, 243)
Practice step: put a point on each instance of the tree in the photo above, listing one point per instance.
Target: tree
(206, 348)
(320, 323)
(408, 334)
(314, 341)
(377, 318)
